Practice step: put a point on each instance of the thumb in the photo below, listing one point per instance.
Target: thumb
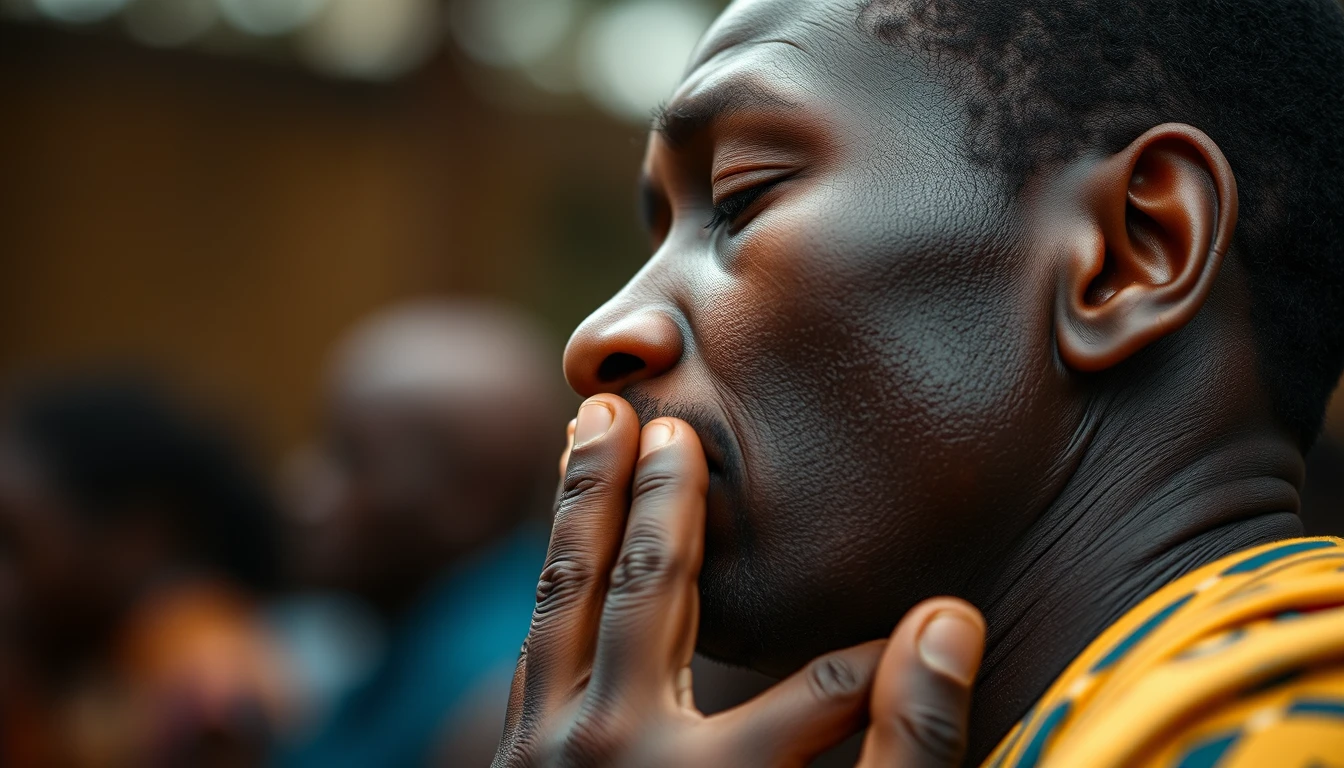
(921, 698)
(806, 714)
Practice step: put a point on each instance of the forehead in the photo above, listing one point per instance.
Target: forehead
(814, 25)
(815, 57)
(788, 42)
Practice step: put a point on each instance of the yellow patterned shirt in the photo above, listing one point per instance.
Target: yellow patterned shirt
(1238, 664)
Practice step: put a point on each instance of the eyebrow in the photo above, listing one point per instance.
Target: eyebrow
(682, 121)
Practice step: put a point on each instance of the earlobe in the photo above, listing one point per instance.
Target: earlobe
(1160, 216)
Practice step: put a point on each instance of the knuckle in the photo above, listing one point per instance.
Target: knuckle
(580, 483)
(832, 677)
(654, 482)
(937, 733)
(645, 563)
(561, 581)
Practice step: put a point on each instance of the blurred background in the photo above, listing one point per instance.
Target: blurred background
(213, 215)
(263, 172)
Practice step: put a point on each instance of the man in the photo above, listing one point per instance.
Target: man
(136, 546)
(1036, 304)
(426, 499)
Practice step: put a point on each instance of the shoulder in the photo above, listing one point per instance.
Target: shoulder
(1294, 720)
(1236, 654)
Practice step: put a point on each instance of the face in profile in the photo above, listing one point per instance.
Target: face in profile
(850, 313)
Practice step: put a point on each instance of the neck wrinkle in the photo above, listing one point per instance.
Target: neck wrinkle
(1130, 520)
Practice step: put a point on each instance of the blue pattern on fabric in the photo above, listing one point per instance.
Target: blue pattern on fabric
(1204, 649)
(1332, 708)
(1036, 747)
(1278, 553)
(1017, 735)
(1208, 753)
(1140, 632)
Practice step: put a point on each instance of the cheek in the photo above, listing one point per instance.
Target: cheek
(882, 363)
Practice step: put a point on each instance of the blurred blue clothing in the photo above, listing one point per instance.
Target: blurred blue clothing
(470, 625)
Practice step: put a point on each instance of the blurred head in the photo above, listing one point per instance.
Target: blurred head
(443, 422)
(107, 489)
(913, 260)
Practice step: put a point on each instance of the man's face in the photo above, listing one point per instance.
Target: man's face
(861, 336)
(368, 496)
(391, 497)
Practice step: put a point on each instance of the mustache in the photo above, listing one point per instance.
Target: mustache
(720, 448)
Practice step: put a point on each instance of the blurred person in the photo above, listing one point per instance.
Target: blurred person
(134, 544)
(1004, 325)
(427, 498)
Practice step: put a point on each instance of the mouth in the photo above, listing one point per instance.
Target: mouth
(723, 464)
(724, 523)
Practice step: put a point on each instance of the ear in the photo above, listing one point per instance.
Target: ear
(1160, 216)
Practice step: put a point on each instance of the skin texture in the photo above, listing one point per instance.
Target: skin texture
(911, 381)
(604, 679)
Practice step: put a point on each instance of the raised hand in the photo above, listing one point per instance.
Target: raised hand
(604, 678)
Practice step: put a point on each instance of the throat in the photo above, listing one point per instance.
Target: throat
(1114, 536)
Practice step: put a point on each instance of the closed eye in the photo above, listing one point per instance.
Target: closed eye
(733, 206)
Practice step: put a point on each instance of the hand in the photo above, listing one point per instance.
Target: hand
(604, 679)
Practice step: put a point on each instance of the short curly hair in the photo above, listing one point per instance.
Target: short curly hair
(1046, 80)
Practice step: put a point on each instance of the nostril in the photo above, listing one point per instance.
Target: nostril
(617, 366)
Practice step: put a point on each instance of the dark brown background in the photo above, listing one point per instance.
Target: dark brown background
(222, 221)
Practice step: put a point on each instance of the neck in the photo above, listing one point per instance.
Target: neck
(1139, 511)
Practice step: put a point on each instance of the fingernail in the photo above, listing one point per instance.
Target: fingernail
(593, 422)
(654, 436)
(951, 643)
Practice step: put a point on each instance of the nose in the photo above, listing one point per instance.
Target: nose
(612, 350)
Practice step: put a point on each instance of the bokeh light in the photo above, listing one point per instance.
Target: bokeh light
(371, 39)
(492, 31)
(79, 11)
(269, 17)
(633, 54)
(170, 23)
(622, 56)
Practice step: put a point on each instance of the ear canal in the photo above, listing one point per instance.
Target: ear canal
(1141, 246)
(1161, 214)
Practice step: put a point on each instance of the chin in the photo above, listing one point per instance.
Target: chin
(740, 621)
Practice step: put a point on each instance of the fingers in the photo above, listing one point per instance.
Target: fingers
(921, 700)
(649, 621)
(589, 522)
(806, 714)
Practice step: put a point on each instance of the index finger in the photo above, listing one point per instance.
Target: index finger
(589, 520)
(651, 612)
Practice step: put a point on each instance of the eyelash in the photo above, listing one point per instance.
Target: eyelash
(733, 206)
